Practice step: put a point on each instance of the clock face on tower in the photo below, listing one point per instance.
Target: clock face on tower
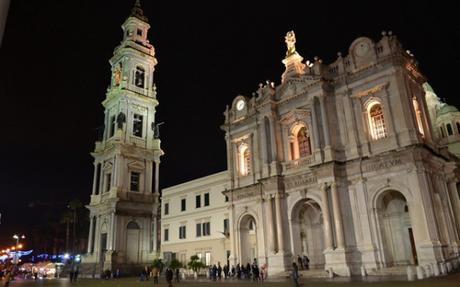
(240, 105)
(362, 49)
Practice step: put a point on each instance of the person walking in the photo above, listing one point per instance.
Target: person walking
(7, 278)
(295, 274)
(169, 276)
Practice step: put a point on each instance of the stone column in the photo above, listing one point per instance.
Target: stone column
(94, 179)
(326, 218)
(90, 236)
(157, 177)
(315, 128)
(271, 229)
(324, 120)
(111, 231)
(155, 233)
(454, 202)
(338, 222)
(279, 223)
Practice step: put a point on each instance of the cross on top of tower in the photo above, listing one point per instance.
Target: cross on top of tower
(138, 12)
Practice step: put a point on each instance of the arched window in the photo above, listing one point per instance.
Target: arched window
(303, 140)
(139, 78)
(132, 225)
(376, 121)
(418, 116)
(449, 130)
(300, 142)
(244, 158)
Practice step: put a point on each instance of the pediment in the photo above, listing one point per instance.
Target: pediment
(107, 165)
(295, 115)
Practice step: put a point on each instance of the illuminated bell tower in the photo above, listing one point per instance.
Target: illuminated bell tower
(124, 216)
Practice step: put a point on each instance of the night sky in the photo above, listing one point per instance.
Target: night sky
(54, 73)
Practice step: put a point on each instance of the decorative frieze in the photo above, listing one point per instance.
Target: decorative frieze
(383, 164)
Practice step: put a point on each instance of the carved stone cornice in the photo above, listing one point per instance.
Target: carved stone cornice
(370, 91)
(295, 115)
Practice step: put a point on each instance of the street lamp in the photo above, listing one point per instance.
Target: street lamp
(17, 237)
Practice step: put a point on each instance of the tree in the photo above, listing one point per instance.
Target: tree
(74, 205)
(67, 219)
(175, 264)
(157, 263)
(195, 264)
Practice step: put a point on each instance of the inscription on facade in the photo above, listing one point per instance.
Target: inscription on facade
(246, 194)
(301, 181)
(382, 164)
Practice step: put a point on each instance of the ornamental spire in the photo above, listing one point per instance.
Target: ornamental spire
(138, 12)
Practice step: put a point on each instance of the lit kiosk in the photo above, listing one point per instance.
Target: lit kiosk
(124, 200)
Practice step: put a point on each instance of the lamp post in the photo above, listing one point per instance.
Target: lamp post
(17, 237)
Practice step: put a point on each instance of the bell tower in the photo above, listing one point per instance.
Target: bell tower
(124, 217)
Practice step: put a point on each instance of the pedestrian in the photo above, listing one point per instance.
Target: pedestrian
(169, 276)
(299, 261)
(306, 262)
(7, 278)
(233, 270)
(255, 271)
(263, 272)
(238, 271)
(177, 275)
(219, 271)
(225, 271)
(214, 272)
(295, 274)
(155, 272)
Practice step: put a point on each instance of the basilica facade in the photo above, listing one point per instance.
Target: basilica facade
(351, 163)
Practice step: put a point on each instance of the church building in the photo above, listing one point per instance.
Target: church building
(124, 201)
(353, 164)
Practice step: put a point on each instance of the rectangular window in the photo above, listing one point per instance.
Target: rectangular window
(166, 208)
(226, 225)
(183, 204)
(198, 201)
(135, 177)
(198, 230)
(108, 182)
(206, 228)
(206, 199)
(112, 126)
(137, 125)
(226, 198)
(182, 232)
(166, 234)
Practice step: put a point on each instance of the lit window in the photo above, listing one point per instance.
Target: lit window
(376, 121)
(139, 78)
(135, 177)
(244, 158)
(303, 141)
(137, 125)
(418, 115)
(207, 258)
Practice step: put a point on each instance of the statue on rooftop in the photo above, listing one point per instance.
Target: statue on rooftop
(290, 43)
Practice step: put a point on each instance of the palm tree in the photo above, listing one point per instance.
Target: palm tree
(74, 205)
(67, 219)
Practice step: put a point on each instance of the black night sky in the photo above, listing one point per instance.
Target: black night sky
(54, 72)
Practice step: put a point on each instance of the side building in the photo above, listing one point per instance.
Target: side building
(195, 220)
(349, 163)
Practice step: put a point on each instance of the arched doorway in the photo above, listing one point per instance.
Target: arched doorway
(248, 239)
(308, 233)
(132, 242)
(396, 229)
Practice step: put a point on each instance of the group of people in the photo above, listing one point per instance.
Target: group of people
(303, 262)
(6, 273)
(249, 271)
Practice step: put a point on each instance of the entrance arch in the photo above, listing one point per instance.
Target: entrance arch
(132, 242)
(308, 232)
(248, 239)
(397, 239)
